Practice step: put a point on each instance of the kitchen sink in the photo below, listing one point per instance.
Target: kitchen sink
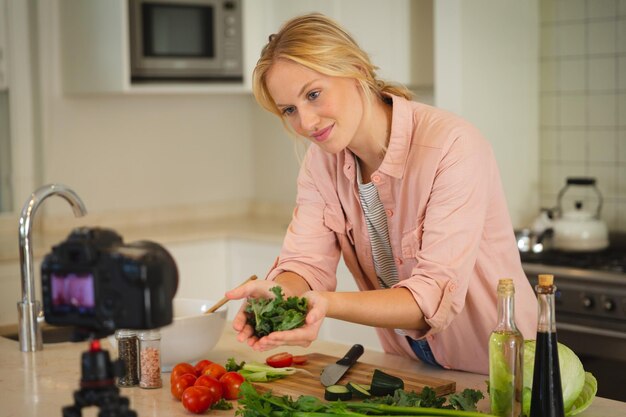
(49, 334)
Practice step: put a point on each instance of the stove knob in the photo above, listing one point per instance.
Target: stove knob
(587, 301)
(609, 305)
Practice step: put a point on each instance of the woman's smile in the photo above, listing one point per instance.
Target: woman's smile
(322, 134)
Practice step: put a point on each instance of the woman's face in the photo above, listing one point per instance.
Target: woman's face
(326, 110)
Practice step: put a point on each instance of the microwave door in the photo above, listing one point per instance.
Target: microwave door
(179, 41)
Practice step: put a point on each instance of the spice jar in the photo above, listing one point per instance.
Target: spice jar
(150, 359)
(128, 352)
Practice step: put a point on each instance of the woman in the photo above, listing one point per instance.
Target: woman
(410, 196)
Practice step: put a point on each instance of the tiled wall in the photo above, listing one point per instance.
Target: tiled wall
(583, 100)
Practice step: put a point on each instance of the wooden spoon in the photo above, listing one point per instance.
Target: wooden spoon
(225, 300)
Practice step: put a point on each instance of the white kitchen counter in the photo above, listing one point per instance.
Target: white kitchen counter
(39, 384)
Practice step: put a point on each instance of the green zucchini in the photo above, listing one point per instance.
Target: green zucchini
(359, 390)
(337, 392)
(385, 384)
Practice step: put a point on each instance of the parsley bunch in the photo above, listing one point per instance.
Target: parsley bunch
(267, 315)
(255, 404)
(465, 400)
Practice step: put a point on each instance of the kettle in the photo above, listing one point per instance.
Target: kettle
(579, 229)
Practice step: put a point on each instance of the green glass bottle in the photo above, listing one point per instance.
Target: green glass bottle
(506, 357)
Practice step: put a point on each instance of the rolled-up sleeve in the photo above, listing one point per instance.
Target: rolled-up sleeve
(310, 248)
(451, 231)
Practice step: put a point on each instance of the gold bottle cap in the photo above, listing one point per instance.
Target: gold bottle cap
(506, 284)
(545, 280)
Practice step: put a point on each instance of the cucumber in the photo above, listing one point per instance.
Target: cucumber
(337, 393)
(385, 384)
(359, 390)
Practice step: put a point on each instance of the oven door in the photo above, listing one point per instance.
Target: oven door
(590, 310)
(602, 352)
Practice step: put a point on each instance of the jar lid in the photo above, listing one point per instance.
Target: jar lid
(120, 333)
(152, 334)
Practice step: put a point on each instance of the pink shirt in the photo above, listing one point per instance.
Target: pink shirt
(449, 230)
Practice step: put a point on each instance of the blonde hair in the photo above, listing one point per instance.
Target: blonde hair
(320, 44)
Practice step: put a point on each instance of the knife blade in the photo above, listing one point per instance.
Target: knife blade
(333, 373)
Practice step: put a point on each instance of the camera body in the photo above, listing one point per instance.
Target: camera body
(95, 282)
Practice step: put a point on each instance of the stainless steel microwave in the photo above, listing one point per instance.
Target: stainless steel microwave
(186, 40)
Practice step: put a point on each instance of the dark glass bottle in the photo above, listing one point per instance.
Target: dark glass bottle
(506, 357)
(547, 392)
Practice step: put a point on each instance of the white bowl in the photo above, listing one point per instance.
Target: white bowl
(193, 334)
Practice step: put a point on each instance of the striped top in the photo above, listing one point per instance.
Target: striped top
(376, 221)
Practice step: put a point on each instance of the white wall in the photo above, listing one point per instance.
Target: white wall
(486, 71)
(140, 151)
(583, 101)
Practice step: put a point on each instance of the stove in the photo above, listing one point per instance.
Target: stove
(609, 260)
(590, 308)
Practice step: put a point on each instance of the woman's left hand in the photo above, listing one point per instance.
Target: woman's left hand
(302, 336)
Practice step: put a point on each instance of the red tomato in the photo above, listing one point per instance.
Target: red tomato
(280, 360)
(197, 399)
(199, 367)
(300, 359)
(181, 369)
(231, 381)
(181, 383)
(214, 386)
(215, 370)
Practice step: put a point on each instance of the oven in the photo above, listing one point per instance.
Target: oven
(590, 308)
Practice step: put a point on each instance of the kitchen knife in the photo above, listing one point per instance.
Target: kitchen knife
(333, 373)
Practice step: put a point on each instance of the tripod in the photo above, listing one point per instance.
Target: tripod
(97, 386)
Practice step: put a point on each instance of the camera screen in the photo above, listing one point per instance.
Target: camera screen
(73, 292)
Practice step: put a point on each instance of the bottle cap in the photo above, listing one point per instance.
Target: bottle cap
(545, 280)
(506, 284)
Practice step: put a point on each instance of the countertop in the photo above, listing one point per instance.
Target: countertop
(41, 383)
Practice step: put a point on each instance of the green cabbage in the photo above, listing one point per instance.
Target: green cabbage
(579, 387)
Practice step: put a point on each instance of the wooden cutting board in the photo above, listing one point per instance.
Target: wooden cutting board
(302, 384)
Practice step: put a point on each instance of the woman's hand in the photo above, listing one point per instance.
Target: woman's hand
(302, 336)
(253, 289)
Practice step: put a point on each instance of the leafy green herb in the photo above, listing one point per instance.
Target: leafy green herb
(233, 366)
(267, 315)
(222, 404)
(427, 398)
(466, 400)
(254, 404)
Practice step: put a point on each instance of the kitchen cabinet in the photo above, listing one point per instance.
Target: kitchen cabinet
(95, 56)
(95, 51)
(10, 289)
(397, 34)
(201, 268)
(4, 79)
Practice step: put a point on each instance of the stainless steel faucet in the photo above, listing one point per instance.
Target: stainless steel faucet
(29, 308)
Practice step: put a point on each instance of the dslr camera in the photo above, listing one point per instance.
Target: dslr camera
(98, 284)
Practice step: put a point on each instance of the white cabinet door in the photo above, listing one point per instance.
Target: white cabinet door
(4, 76)
(201, 268)
(11, 291)
(343, 331)
(397, 34)
(246, 258)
